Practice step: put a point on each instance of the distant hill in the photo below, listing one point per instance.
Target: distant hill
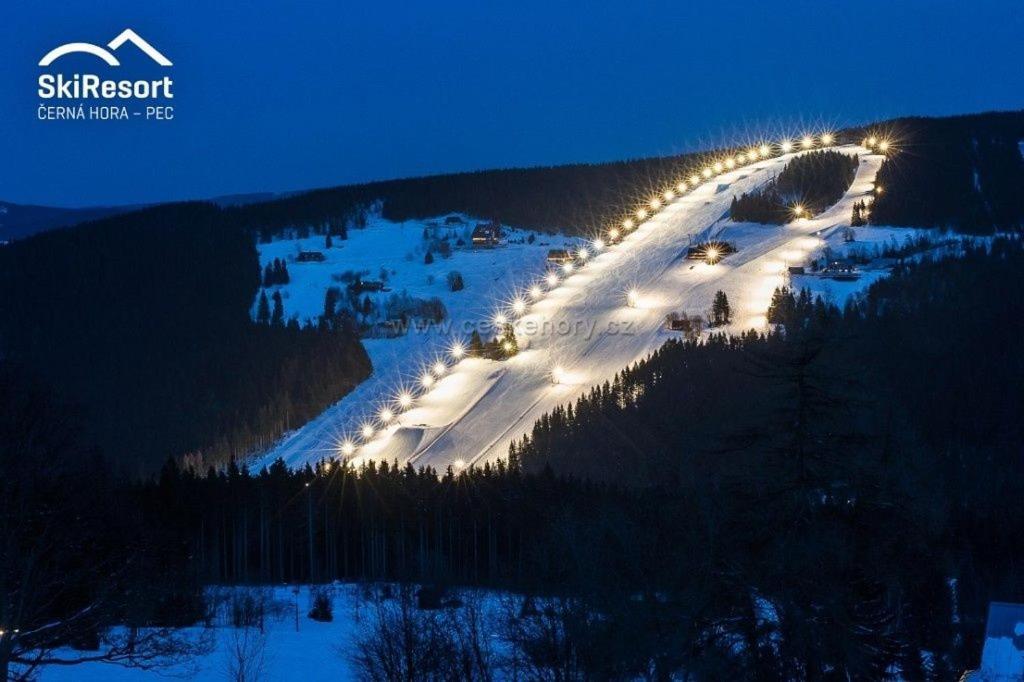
(18, 221)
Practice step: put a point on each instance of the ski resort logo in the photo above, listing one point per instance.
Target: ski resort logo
(88, 96)
(126, 36)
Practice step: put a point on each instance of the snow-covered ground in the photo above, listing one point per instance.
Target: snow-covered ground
(584, 327)
(310, 651)
(489, 274)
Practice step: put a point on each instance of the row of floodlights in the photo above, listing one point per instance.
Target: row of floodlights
(518, 306)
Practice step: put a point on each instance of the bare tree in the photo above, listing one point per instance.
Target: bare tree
(245, 655)
(70, 573)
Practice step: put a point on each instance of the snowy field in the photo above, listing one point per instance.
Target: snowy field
(489, 274)
(581, 330)
(584, 327)
(312, 651)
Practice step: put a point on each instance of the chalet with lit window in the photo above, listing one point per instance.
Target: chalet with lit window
(487, 234)
(559, 257)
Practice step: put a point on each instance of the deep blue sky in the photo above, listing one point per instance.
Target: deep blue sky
(298, 94)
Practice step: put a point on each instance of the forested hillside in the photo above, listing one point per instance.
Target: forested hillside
(142, 322)
(964, 173)
(806, 186)
(928, 182)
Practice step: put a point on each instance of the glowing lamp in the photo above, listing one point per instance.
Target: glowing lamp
(404, 399)
(730, 163)
(567, 268)
(366, 431)
(439, 368)
(694, 179)
(386, 415)
(348, 448)
(536, 292)
(427, 380)
(807, 142)
(613, 233)
(551, 279)
(786, 147)
(458, 350)
(827, 139)
(598, 244)
(764, 150)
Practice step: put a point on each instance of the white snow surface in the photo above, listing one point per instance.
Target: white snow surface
(584, 326)
(314, 652)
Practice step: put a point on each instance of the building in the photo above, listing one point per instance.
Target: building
(559, 257)
(311, 257)
(366, 285)
(841, 269)
(1002, 658)
(487, 234)
(796, 269)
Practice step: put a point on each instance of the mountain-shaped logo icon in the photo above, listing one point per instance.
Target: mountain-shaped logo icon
(126, 36)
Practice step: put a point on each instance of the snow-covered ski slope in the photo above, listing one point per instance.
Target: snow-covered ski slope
(585, 329)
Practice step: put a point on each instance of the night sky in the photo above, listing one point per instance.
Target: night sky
(275, 96)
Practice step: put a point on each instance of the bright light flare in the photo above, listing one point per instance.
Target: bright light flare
(872, 141)
(405, 400)
(883, 146)
(386, 415)
(519, 306)
(669, 195)
(712, 255)
(500, 320)
(613, 233)
(764, 150)
(347, 448)
(568, 268)
(427, 380)
(827, 138)
(536, 292)
(629, 224)
(807, 142)
(694, 179)
(366, 430)
(557, 374)
(457, 349)
(706, 172)
(598, 244)
(632, 298)
(798, 210)
(786, 147)
(583, 254)
(551, 279)
(681, 187)
(439, 368)
(654, 203)
(718, 166)
(730, 163)
(459, 464)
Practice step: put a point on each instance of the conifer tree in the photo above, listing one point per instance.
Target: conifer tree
(721, 313)
(263, 309)
(277, 316)
(476, 344)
